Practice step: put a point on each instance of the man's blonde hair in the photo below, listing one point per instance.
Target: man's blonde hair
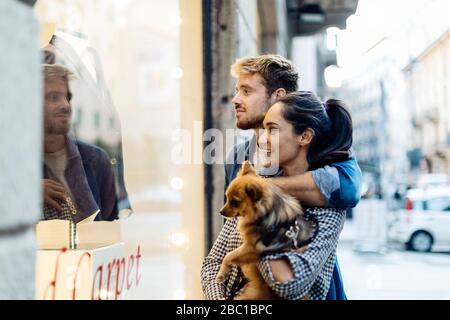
(276, 71)
(57, 71)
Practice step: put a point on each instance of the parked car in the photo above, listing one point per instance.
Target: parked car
(424, 222)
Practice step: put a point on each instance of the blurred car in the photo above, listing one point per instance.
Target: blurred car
(425, 220)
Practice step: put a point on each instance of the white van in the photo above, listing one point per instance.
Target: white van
(425, 220)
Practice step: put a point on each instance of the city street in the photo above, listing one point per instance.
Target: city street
(396, 274)
(123, 120)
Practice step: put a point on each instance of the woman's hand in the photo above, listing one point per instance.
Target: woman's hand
(281, 270)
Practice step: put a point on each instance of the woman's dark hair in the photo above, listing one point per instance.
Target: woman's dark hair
(330, 121)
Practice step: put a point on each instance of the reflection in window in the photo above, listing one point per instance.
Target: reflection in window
(78, 119)
(125, 54)
(97, 120)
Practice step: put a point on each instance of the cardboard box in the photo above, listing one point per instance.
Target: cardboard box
(96, 273)
(96, 269)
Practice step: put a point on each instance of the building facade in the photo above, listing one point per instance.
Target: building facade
(428, 81)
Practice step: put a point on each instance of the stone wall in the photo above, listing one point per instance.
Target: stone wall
(20, 143)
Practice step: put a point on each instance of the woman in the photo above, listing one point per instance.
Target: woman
(302, 133)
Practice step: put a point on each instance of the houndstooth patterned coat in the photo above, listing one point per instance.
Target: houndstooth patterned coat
(313, 268)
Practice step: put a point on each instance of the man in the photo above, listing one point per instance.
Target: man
(78, 178)
(260, 82)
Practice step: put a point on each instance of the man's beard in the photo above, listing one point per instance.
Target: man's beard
(57, 129)
(250, 124)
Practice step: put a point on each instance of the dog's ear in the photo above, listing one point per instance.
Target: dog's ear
(254, 191)
(247, 168)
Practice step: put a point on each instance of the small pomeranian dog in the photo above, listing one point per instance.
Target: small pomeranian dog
(269, 221)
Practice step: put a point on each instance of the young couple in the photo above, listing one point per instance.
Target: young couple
(312, 141)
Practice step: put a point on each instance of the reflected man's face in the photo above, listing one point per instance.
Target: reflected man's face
(57, 109)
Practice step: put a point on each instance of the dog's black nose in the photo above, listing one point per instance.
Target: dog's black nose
(222, 211)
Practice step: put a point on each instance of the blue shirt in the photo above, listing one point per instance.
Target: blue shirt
(339, 183)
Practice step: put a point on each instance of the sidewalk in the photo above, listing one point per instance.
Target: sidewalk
(348, 233)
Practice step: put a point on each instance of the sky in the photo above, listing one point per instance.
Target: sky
(411, 24)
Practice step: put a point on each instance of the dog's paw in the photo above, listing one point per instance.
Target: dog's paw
(224, 269)
(220, 278)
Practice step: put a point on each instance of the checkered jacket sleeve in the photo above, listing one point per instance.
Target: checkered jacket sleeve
(211, 264)
(313, 268)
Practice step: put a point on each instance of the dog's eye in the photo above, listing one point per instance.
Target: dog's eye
(234, 203)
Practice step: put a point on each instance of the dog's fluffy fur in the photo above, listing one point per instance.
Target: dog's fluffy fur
(264, 211)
